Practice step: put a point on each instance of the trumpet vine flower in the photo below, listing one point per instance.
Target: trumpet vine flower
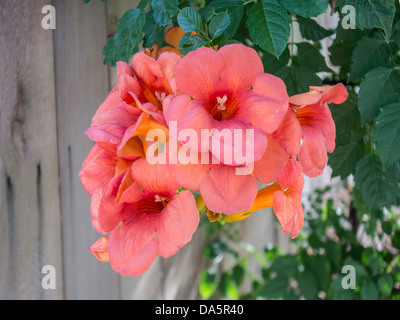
(285, 198)
(227, 91)
(161, 223)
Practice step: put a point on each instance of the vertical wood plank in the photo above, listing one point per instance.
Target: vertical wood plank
(30, 232)
(82, 83)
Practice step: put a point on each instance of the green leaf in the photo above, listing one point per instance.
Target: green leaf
(152, 32)
(208, 284)
(396, 33)
(347, 119)
(369, 291)
(275, 288)
(337, 292)
(224, 284)
(385, 284)
(268, 25)
(285, 265)
(334, 252)
(387, 134)
(272, 63)
(387, 227)
(219, 24)
(344, 158)
(143, 4)
(190, 43)
(310, 57)
(235, 9)
(206, 13)
(360, 271)
(311, 30)
(375, 263)
(369, 54)
(226, 287)
(127, 38)
(190, 20)
(214, 249)
(308, 285)
(238, 274)
(164, 10)
(320, 267)
(298, 78)
(342, 48)
(374, 14)
(379, 88)
(396, 239)
(377, 187)
(306, 8)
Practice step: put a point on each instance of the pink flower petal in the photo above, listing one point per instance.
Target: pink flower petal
(235, 142)
(289, 133)
(94, 209)
(133, 245)
(177, 223)
(155, 178)
(189, 114)
(97, 169)
(336, 94)
(292, 172)
(198, 73)
(168, 62)
(127, 82)
(242, 66)
(287, 203)
(149, 230)
(148, 72)
(189, 175)
(108, 214)
(266, 104)
(313, 155)
(270, 167)
(225, 192)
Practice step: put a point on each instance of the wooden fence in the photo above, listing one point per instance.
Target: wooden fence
(51, 83)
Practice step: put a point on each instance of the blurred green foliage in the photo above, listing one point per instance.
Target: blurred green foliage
(338, 231)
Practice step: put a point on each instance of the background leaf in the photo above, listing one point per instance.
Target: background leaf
(344, 158)
(378, 187)
(190, 43)
(347, 119)
(374, 14)
(208, 284)
(379, 88)
(310, 57)
(369, 54)
(306, 8)
(311, 30)
(190, 20)
(298, 78)
(369, 291)
(127, 38)
(164, 10)
(268, 25)
(153, 33)
(219, 24)
(235, 9)
(387, 134)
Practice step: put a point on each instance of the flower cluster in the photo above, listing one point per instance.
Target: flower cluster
(179, 135)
